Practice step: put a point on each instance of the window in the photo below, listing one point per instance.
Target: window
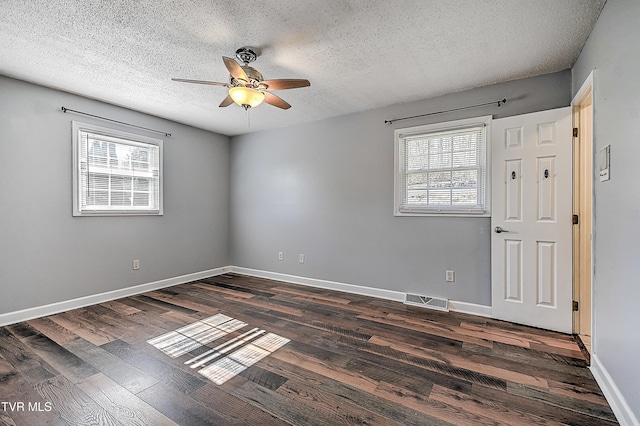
(115, 173)
(442, 169)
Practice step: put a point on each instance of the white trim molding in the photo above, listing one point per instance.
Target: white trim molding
(55, 308)
(397, 296)
(80, 302)
(588, 89)
(329, 285)
(587, 85)
(616, 400)
(470, 308)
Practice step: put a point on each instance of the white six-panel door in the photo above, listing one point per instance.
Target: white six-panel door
(531, 245)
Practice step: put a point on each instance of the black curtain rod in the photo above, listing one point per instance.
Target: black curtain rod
(63, 109)
(500, 102)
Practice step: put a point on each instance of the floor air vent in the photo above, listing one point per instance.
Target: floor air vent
(427, 302)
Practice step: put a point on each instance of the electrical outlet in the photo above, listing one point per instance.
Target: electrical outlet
(135, 264)
(280, 255)
(301, 258)
(450, 276)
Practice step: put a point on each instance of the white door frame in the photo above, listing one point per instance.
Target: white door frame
(588, 90)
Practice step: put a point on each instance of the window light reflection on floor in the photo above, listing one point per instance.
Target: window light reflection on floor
(197, 334)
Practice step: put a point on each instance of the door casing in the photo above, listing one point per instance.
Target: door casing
(583, 107)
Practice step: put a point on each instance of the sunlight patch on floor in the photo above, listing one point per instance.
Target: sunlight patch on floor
(219, 370)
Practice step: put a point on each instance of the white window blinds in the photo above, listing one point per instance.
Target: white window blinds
(116, 173)
(442, 169)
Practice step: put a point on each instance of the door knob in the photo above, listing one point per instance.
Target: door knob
(499, 230)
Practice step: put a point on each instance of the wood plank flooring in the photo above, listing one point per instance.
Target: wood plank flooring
(347, 360)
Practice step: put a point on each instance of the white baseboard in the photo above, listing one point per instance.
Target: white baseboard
(470, 308)
(329, 285)
(614, 397)
(55, 308)
(463, 307)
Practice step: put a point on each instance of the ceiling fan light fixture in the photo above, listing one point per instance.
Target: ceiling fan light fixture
(246, 97)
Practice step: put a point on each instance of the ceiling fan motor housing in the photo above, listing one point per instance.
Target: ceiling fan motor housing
(246, 55)
(254, 75)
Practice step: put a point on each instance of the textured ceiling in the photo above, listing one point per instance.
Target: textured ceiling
(358, 54)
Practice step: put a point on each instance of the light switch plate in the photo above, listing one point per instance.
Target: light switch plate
(604, 163)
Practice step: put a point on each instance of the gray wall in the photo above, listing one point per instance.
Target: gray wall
(325, 189)
(46, 255)
(613, 50)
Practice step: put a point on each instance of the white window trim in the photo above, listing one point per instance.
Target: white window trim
(433, 128)
(77, 127)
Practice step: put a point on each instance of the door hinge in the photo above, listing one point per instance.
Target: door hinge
(574, 219)
(574, 306)
(575, 132)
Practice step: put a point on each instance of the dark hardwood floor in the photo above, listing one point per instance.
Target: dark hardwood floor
(287, 355)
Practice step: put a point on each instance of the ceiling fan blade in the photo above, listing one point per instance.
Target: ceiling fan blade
(235, 70)
(226, 102)
(285, 83)
(274, 100)
(211, 83)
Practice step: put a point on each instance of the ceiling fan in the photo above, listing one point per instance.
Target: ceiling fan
(246, 86)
